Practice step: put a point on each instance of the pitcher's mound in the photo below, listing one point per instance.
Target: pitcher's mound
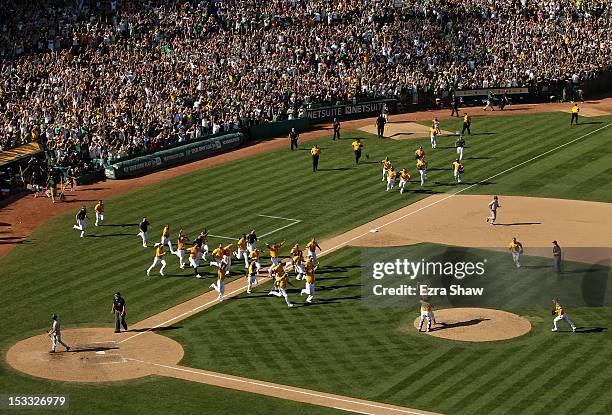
(96, 355)
(404, 131)
(477, 324)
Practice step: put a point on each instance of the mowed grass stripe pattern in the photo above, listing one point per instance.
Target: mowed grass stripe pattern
(343, 345)
(57, 271)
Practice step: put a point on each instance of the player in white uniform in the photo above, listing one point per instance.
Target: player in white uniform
(493, 206)
(426, 313)
(159, 257)
(56, 334)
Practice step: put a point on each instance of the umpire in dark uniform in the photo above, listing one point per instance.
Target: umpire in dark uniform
(119, 311)
(380, 125)
(293, 136)
(336, 126)
(557, 257)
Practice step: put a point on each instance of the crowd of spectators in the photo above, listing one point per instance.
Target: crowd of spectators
(101, 80)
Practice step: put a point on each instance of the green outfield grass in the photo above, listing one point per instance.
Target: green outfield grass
(344, 345)
(54, 270)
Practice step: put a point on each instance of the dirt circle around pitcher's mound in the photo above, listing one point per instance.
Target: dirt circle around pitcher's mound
(476, 324)
(96, 355)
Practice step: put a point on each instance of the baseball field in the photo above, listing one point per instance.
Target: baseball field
(188, 353)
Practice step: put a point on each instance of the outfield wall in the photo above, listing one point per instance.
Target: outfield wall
(177, 155)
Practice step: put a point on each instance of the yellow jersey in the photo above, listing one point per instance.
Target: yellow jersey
(228, 249)
(255, 255)
(456, 165)
(281, 280)
(515, 247)
(575, 109)
(356, 145)
(242, 243)
(180, 243)
(99, 208)
(426, 306)
(166, 231)
(559, 310)
(193, 251)
(221, 273)
(404, 175)
(274, 251)
(421, 165)
(386, 164)
(252, 268)
(159, 251)
(419, 153)
(315, 151)
(310, 274)
(467, 119)
(217, 253)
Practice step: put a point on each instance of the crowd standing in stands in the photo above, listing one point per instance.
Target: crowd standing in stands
(97, 80)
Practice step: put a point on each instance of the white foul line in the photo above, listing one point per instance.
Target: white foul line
(283, 388)
(294, 222)
(464, 189)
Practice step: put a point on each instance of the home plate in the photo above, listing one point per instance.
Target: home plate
(101, 352)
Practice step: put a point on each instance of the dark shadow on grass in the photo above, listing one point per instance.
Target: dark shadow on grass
(118, 224)
(483, 134)
(590, 329)
(591, 122)
(337, 169)
(517, 223)
(465, 323)
(155, 329)
(479, 158)
(335, 300)
(109, 235)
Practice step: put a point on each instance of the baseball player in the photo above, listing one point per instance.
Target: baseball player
(560, 314)
(391, 176)
(217, 256)
(557, 256)
(281, 278)
(274, 250)
(419, 153)
(181, 244)
(403, 179)
(312, 247)
(516, 249)
(433, 133)
(219, 286)
(56, 334)
(460, 145)
(254, 257)
(489, 102)
(81, 223)
(435, 124)
(228, 251)
(426, 313)
(467, 122)
(251, 276)
(493, 206)
(294, 251)
(421, 166)
(575, 111)
(386, 164)
(195, 255)
(309, 289)
(297, 259)
(357, 146)
(457, 170)
(118, 309)
(251, 240)
(202, 243)
(99, 209)
(159, 257)
(144, 229)
(165, 237)
(241, 252)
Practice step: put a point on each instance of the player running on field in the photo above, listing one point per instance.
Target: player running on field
(391, 176)
(297, 259)
(219, 285)
(281, 278)
(403, 180)
(274, 250)
(560, 313)
(516, 249)
(493, 206)
(242, 252)
(457, 170)
(159, 258)
(312, 247)
(165, 237)
(254, 257)
(202, 243)
(228, 251)
(309, 289)
(181, 248)
(251, 276)
(217, 256)
(357, 146)
(99, 209)
(143, 228)
(421, 166)
(386, 164)
(81, 220)
(195, 255)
